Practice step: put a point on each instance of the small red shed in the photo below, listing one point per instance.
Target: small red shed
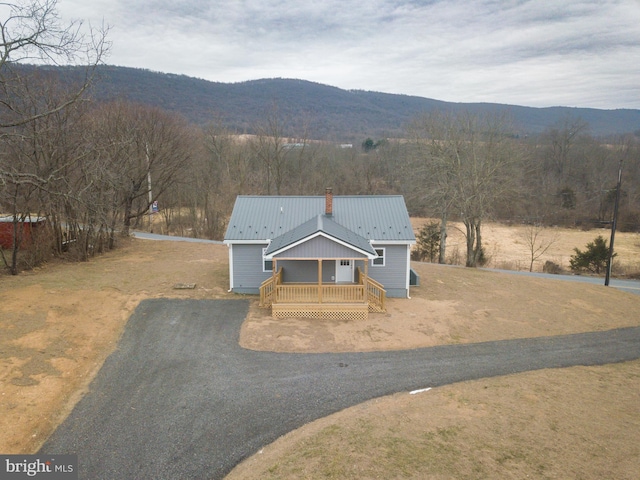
(26, 227)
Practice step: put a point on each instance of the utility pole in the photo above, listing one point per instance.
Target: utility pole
(613, 227)
(149, 180)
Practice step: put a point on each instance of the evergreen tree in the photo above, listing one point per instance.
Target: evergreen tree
(428, 242)
(593, 259)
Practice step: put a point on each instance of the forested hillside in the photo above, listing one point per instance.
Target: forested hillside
(320, 111)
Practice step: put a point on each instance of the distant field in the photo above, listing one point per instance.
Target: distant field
(506, 246)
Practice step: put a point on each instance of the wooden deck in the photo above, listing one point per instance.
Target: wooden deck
(328, 311)
(327, 300)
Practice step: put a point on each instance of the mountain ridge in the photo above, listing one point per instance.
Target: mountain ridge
(315, 110)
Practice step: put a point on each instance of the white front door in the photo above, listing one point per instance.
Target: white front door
(344, 271)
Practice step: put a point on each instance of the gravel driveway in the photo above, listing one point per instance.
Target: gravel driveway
(179, 399)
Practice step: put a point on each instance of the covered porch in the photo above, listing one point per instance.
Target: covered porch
(320, 270)
(341, 300)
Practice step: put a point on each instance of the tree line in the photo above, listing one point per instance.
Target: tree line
(95, 170)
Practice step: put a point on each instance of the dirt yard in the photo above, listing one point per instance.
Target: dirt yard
(60, 322)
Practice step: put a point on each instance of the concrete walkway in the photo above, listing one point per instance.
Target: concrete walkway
(179, 399)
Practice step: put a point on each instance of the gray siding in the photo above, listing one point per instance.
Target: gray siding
(306, 271)
(320, 247)
(394, 273)
(248, 274)
(359, 264)
(328, 271)
(299, 271)
(247, 268)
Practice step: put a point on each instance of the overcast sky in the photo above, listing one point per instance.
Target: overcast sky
(537, 53)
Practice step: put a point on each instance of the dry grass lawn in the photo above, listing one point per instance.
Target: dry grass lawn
(60, 322)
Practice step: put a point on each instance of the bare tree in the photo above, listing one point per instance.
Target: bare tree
(145, 151)
(32, 32)
(269, 148)
(468, 166)
(277, 152)
(536, 242)
(561, 140)
(222, 172)
(30, 171)
(39, 161)
(556, 173)
(433, 142)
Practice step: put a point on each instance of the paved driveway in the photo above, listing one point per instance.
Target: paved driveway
(179, 399)
(629, 286)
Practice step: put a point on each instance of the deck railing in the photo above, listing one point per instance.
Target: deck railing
(272, 290)
(314, 293)
(377, 296)
(267, 289)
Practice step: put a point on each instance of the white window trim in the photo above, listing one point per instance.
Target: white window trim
(264, 261)
(384, 257)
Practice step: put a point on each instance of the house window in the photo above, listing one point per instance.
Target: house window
(345, 263)
(267, 265)
(378, 262)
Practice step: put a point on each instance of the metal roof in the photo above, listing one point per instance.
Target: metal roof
(374, 217)
(326, 225)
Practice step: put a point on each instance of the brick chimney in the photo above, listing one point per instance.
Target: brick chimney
(328, 201)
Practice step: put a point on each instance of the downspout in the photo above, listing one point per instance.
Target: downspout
(408, 280)
(230, 246)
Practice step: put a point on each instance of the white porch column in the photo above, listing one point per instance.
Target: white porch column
(366, 279)
(319, 280)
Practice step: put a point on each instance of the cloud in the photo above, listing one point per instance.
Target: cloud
(529, 52)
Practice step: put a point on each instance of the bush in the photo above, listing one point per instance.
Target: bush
(483, 259)
(454, 258)
(593, 259)
(427, 243)
(551, 267)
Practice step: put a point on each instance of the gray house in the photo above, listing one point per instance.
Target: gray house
(320, 256)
